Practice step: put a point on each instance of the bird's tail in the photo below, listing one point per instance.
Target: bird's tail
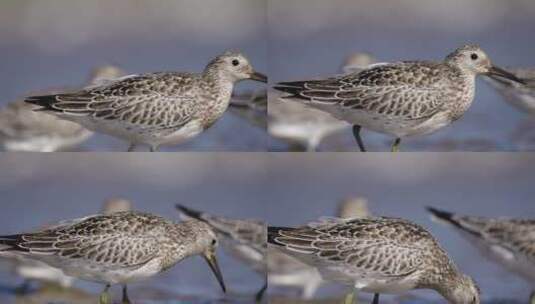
(274, 233)
(46, 102)
(10, 242)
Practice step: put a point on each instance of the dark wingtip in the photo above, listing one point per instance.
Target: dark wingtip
(189, 212)
(11, 241)
(440, 213)
(273, 233)
(45, 102)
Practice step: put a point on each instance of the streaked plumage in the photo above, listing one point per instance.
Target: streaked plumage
(30, 269)
(117, 248)
(285, 270)
(297, 123)
(23, 129)
(164, 108)
(508, 241)
(243, 239)
(377, 255)
(522, 96)
(403, 98)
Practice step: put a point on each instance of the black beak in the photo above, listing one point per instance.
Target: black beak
(212, 262)
(259, 77)
(496, 71)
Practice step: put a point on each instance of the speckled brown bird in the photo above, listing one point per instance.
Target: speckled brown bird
(165, 108)
(507, 241)
(117, 248)
(377, 255)
(402, 99)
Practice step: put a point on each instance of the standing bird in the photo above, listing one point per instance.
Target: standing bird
(165, 108)
(402, 99)
(377, 255)
(243, 239)
(299, 124)
(521, 96)
(23, 129)
(509, 242)
(118, 248)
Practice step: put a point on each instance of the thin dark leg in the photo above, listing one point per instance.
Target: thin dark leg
(24, 288)
(356, 133)
(260, 293)
(126, 300)
(375, 299)
(132, 147)
(395, 146)
(105, 296)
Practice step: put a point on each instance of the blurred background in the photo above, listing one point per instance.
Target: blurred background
(311, 38)
(44, 189)
(283, 189)
(57, 43)
(305, 187)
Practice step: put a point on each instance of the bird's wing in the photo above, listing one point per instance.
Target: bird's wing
(85, 240)
(506, 236)
(247, 232)
(375, 90)
(144, 101)
(349, 249)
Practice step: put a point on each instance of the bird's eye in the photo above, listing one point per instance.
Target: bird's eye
(214, 242)
(235, 62)
(474, 56)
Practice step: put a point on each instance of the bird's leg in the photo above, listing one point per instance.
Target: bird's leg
(105, 296)
(260, 293)
(349, 297)
(24, 288)
(375, 299)
(126, 300)
(356, 133)
(154, 148)
(132, 147)
(395, 146)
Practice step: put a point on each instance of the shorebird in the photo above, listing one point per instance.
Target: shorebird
(521, 96)
(285, 270)
(30, 269)
(509, 242)
(377, 255)
(402, 99)
(118, 248)
(23, 129)
(243, 239)
(292, 121)
(165, 108)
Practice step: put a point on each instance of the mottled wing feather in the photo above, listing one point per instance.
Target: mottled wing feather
(133, 100)
(355, 246)
(375, 90)
(88, 239)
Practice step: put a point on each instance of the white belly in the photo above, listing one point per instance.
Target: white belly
(137, 135)
(389, 125)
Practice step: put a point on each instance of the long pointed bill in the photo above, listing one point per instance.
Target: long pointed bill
(259, 77)
(496, 71)
(212, 262)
